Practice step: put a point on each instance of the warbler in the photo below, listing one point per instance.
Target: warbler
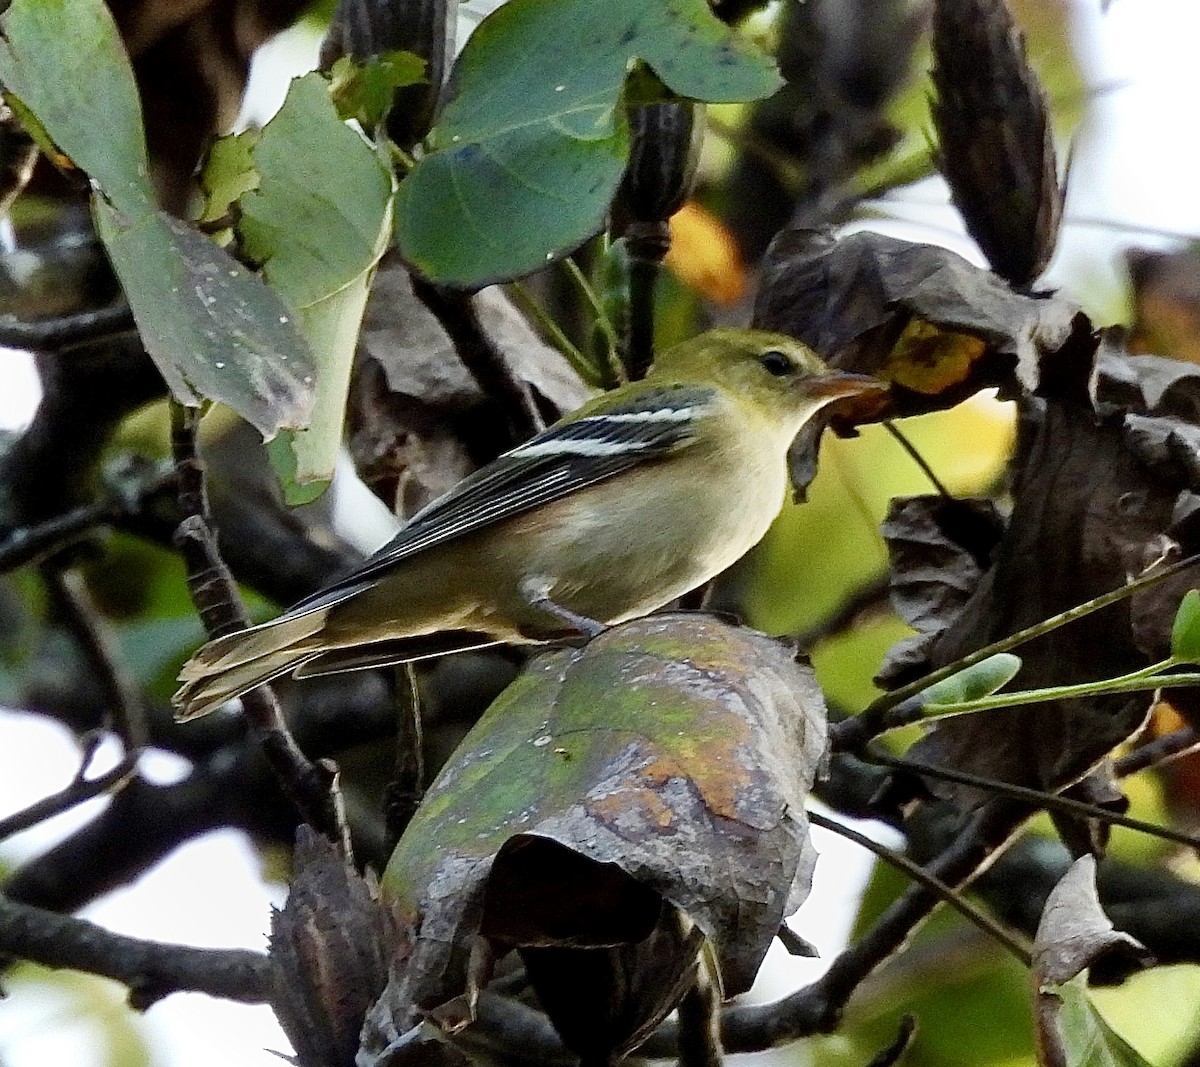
(641, 495)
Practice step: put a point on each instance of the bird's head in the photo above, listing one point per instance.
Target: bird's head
(784, 378)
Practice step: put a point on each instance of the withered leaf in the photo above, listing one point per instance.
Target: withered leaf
(1085, 510)
(331, 946)
(1073, 934)
(658, 773)
(995, 143)
(409, 386)
(911, 313)
(939, 548)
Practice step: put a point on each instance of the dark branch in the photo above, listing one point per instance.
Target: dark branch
(482, 358)
(63, 332)
(214, 592)
(80, 790)
(150, 969)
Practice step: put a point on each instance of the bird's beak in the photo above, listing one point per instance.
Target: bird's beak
(838, 384)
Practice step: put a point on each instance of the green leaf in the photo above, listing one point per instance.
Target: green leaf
(973, 683)
(529, 151)
(64, 60)
(1081, 1037)
(211, 327)
(229, 173)
(318, 232)
(364, 92)
(1185, 631)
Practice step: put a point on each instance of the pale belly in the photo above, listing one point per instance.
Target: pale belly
(630, 552)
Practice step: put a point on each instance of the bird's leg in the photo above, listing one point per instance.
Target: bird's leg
(536, 592)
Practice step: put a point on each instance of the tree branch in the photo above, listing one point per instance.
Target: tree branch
(150, 969)
(312, 787)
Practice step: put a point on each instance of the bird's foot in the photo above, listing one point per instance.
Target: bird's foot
(537, 594)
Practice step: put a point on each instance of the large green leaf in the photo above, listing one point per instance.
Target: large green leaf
(529, 151)
(212, 328)
(315, 212)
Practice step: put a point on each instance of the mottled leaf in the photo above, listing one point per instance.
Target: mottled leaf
(212, 328)
(663, 766)
(526, 156)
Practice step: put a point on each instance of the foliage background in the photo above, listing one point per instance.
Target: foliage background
(1134, 164)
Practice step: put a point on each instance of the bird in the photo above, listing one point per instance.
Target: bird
(642, 495)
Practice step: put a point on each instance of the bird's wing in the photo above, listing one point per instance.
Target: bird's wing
(557, 462)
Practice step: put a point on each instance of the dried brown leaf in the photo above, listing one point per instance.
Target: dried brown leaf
(995, 143)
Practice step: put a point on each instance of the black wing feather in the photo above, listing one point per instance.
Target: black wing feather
(523, 479)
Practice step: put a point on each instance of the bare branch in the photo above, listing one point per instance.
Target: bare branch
(311, 786)
(151, 969)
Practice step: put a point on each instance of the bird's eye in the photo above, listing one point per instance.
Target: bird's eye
(776, 363)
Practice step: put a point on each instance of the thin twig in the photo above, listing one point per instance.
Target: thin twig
(851, 734)
(903, 441)
(150, 969)
(80, 790)
(579, 362)
(310, 786)
(612, 365)
(31, 543)
(127, 709)
(934, 884)
(1172, 746)
(1049, 801)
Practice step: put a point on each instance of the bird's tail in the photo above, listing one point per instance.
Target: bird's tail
(235, 664)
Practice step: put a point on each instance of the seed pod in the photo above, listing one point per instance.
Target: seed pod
(364, 29)
(665, 141)
(996, 148)
(661, 173)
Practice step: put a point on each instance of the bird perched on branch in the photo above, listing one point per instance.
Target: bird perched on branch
(643, 494)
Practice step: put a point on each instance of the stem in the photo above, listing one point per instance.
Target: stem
(1050, 801)
(580, 363)
(903, 441)
(1123, 684)
(919, 874)
(857, 731)
(1161, 750)
(612, 370)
